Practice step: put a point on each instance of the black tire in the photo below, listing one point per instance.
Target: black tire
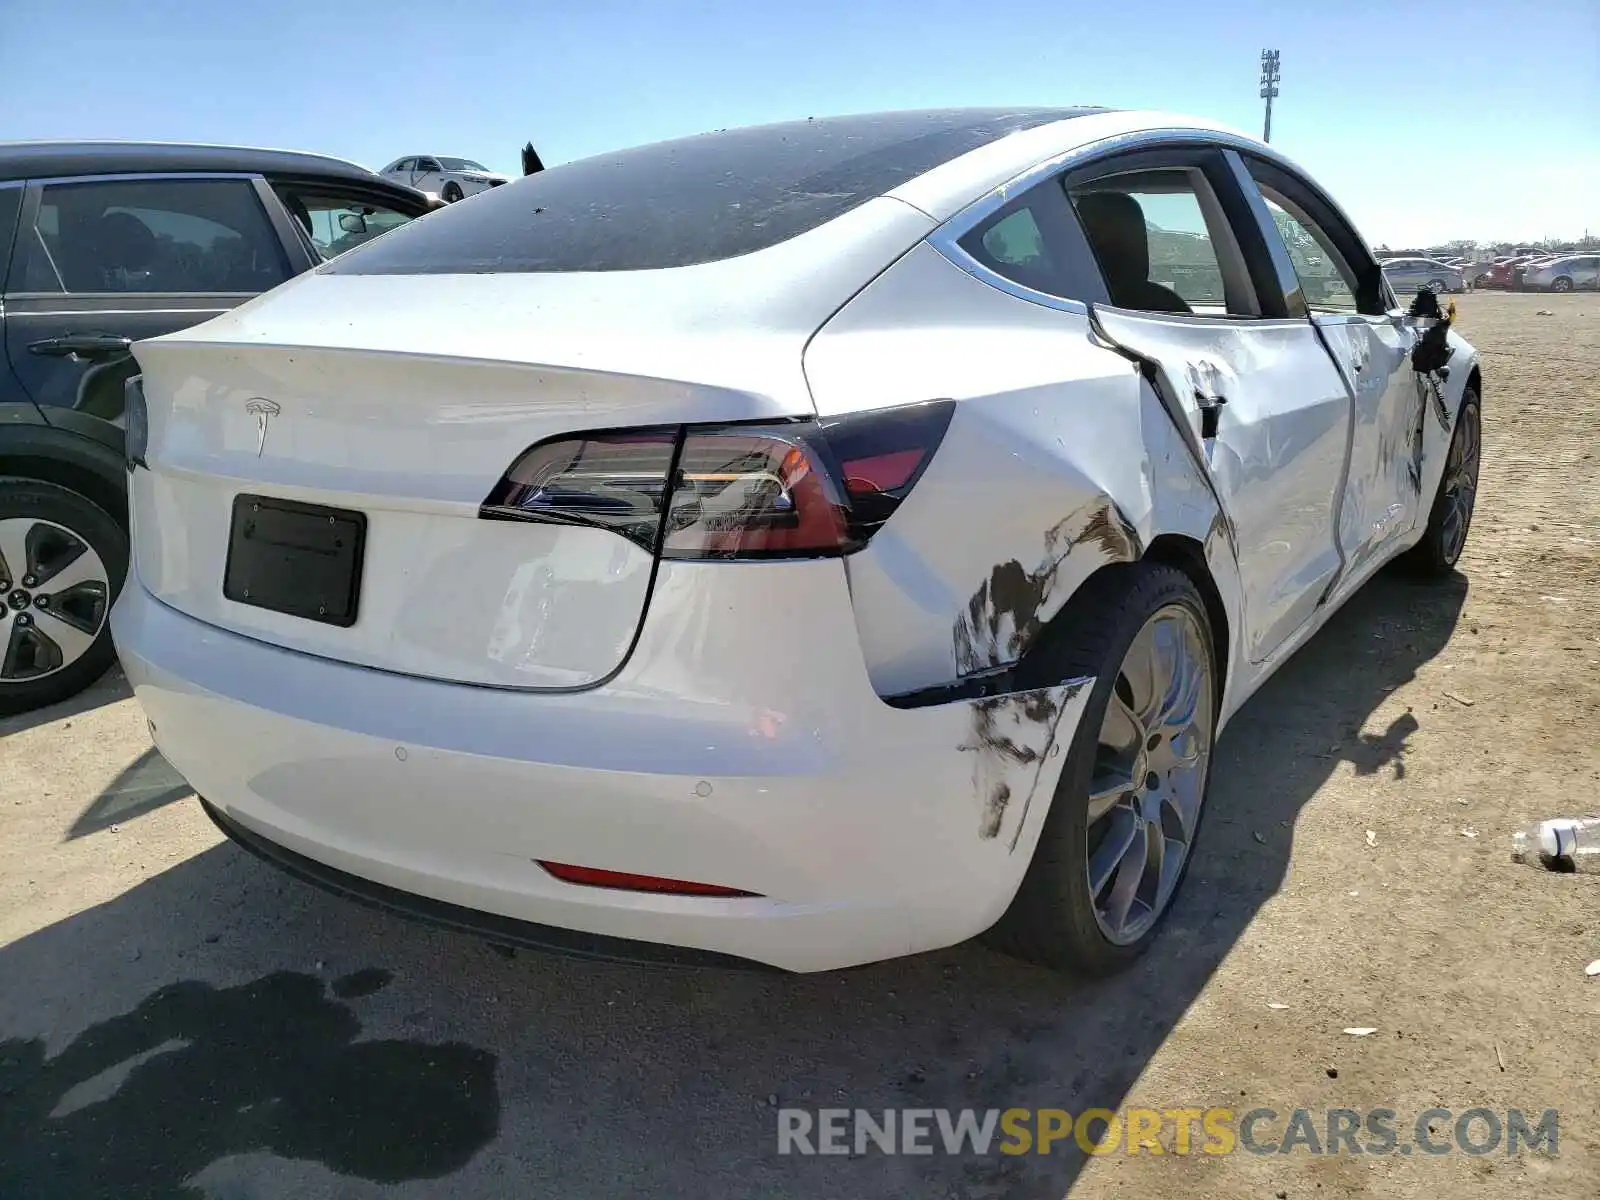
(452, 192)
(1051, 920)
(29, 498)
(1562, 284)
(1436, 555)
(1438, 287)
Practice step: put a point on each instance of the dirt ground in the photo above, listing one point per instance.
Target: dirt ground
(174, 1015)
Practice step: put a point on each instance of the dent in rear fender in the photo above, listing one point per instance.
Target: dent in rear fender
(1060, 459)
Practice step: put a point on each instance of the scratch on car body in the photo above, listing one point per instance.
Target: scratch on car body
(1009, 608)
(1012, 738)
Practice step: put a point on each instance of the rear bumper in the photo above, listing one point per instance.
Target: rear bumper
(741, 745)
(500, 930)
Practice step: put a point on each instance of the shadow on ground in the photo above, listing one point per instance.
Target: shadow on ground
(134, 1077)
(108, 689)
(144, 785)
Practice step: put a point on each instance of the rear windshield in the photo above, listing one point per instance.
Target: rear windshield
(694, 200)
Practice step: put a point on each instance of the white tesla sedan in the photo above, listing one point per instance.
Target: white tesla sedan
(805, 544)
(450, 179)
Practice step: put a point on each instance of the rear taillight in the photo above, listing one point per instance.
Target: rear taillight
(793, 489)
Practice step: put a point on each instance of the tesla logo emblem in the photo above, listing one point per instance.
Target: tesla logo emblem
(263, 411)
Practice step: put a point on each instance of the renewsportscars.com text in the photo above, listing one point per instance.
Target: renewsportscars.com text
(1377, 1131)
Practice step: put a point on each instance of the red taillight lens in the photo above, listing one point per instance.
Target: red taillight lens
(788, 490)
(628, 882)
(753, 493)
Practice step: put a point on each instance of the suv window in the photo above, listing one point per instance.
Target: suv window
(1326, 281)
(1155, 235)
(694, 200)
(167, 235)
(336, 224)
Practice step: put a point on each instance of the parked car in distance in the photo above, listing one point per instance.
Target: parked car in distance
(1406, 275)
(449, 178)
(102, 244)
(1563, 273)
(860, 552)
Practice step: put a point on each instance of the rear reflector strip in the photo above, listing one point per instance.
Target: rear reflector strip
(627, 882)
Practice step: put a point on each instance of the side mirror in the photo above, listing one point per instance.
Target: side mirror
(352, 222)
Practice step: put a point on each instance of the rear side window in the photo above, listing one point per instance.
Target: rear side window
(135, 236)
(695, 200)
(1012, 244)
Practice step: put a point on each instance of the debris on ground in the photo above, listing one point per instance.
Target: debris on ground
(1275, 1005)
(1563, 844)
(1372, 837)
(1593, 968)
(1462, 700)
(1361, 1030)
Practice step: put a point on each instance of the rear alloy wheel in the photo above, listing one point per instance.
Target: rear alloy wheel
(1451, 516)
(1563, 284)
(1117, 838)
(452, 192)
(62, 562)
(1438, 287)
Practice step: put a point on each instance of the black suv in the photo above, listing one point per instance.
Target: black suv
(102, 244)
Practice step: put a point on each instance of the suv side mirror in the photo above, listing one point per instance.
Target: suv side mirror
(352, 222)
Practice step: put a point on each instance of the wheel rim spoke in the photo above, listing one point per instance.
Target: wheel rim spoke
(85, 568)
(1130, 872)
(1110, 784)
(1123, 827)
(14, 549)
(72, 641)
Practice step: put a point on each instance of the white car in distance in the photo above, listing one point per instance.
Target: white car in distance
(812, 543)
(450, 179)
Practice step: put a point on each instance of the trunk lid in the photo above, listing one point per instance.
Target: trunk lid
(405, 398)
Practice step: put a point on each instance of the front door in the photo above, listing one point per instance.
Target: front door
(1264, 406)
(1381, 495)
(103, 263)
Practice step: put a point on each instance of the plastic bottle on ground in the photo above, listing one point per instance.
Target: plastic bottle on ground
(1560, 844)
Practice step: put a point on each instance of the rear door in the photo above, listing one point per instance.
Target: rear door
(1194, 296)
(101, 263)
(1338, 284)
(333, 216)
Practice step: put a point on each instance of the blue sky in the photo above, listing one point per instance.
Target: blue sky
(1427, 120)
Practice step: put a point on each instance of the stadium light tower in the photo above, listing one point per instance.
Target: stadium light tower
(1270, 75)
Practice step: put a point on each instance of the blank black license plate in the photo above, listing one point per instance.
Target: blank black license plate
(300, 559)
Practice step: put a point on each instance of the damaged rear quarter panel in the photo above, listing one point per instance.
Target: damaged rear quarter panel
(1059, 460)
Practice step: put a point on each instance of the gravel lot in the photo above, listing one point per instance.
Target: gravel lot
(178, 1019)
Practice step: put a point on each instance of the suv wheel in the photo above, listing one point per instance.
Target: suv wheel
(62, 563)
(452, 192)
